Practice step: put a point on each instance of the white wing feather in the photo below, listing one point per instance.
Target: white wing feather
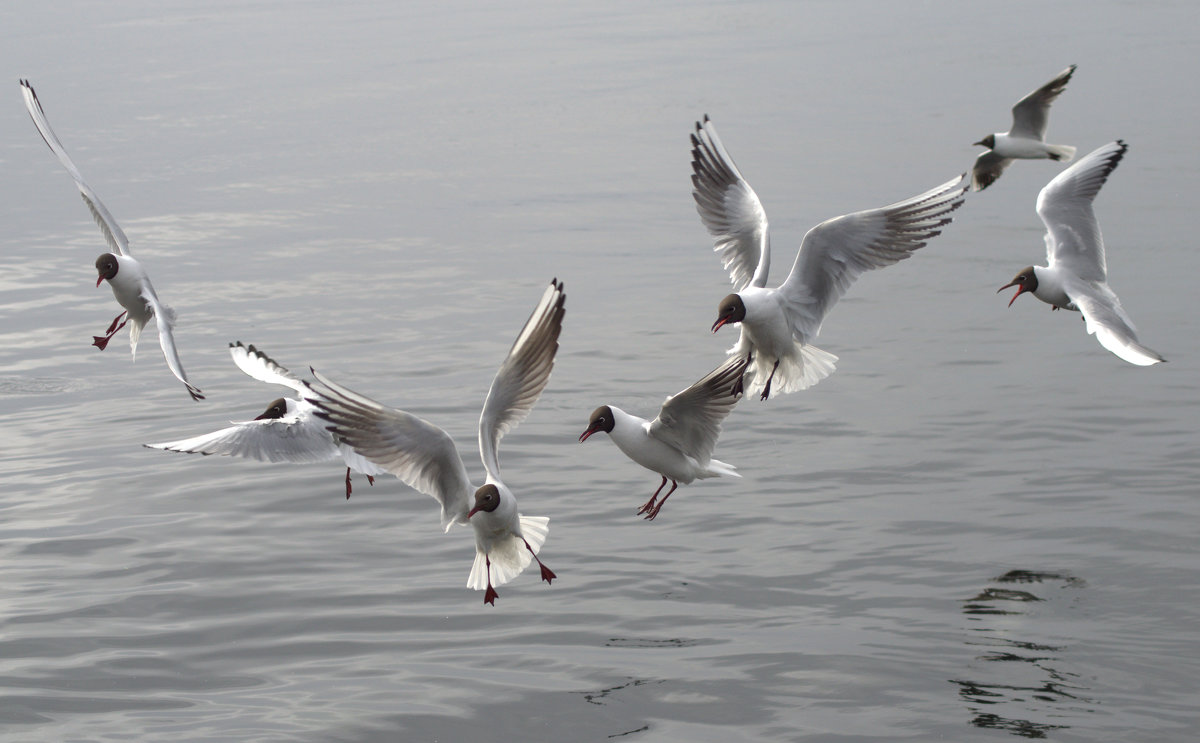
(730, 210)
(522, 376)
(1031, 114)
(691, 420)
(422, 455)
(837, 251)
(113, 234)
(1073, 238)
(262, 367)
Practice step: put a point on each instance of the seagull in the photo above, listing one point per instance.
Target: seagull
(288, 431)
(779, 324)
(125, 275)
(678, 444)
(1026, 140)
(1076, 277)
(424, 456)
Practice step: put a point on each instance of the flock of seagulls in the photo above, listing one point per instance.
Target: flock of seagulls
(326, 421)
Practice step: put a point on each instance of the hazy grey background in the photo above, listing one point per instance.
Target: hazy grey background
(383, 190)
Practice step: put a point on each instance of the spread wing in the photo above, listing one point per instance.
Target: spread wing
(1073, 235)
(422, 455)
(691, 420)
(297, 437)
(1032, 113)
(1106, 318)
(108, 225)
(262, 367)
(988, 167)
(165, 320)
(839, 250)
(730, 210)
(522, 377)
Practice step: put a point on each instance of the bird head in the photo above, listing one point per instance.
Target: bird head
(106, 266)
(487, 498)
(277, 409)
(989, 142)
(1025, 281)
(731, 310)
(601, 420)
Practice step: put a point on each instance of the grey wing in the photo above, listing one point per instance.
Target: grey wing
(1031, 114)
(691, 420)
(1073, 236)
(299, 438)
(164, 318)
(262, 367)
(422, 455)
(837, 251)
(988, 167)
(108, 225)
(1106, 318)
(522, 376)
(730, 210)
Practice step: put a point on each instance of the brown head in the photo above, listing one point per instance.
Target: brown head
(602, 420)
(106, 266)
(487, 498)
(731, 310)
(277, 409)
(1025, 281)
(989, 142)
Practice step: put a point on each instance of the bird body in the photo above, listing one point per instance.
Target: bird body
(678, 444)
(1026, 139)
(425, 458)
(129, 282)
(1076, 274)
(633, 437)
(778, 325)
(289, 430)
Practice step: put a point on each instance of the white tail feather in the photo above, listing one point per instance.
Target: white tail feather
(509, 556)
(717, 468)
(796, 371)
(1061, 152)
(135, 332)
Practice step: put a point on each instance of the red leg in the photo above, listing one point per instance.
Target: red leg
(547, 574)
(650, 503)
(101, 341)
(490, 596)
(348, 483)
(654, 512)
(371, 480)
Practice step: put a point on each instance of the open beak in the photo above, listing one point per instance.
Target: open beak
(720, 323)
(1020, 291)
(584, 436)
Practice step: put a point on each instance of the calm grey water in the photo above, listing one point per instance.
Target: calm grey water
(982, 526)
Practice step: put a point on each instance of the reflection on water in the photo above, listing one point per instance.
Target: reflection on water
(1032, 682)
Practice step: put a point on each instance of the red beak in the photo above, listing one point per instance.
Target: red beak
(471, 512)
(584, 436)
(99, 279)
(1020, 291)
(719, 323)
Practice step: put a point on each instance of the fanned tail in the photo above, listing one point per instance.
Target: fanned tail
(535, 529)
(508, 556)
(796, 372)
